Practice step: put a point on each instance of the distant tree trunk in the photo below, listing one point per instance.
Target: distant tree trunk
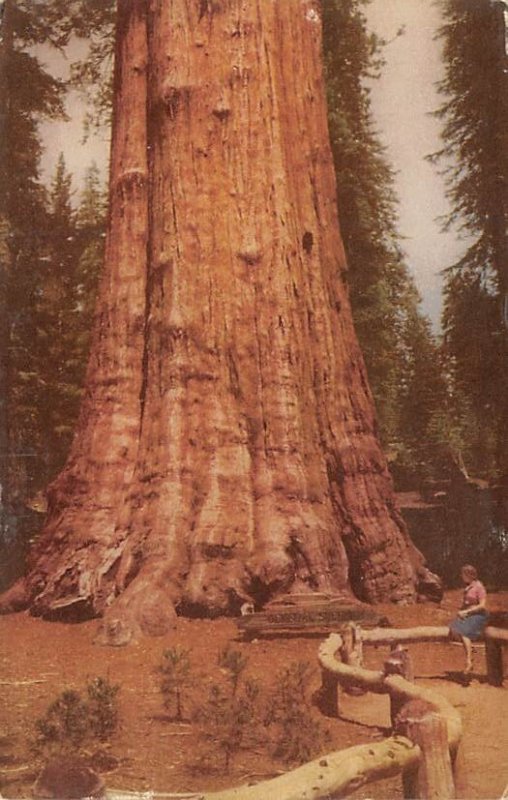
(227, 444)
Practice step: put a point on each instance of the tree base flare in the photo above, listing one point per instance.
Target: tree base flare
(16, 598)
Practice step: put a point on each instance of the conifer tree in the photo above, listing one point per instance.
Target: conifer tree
(475, 154)
(392, 331)
(28, 94)
(55, 315)
(63, 313)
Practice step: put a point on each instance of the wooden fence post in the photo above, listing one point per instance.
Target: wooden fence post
(432, 779)
(494, 658)
(398, 663)
(351, 651)
(460, 772)
(328, 694)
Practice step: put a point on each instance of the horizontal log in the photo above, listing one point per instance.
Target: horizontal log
(399, 687)
(497, 634)
(424, 633)
(266, 626)
(332, 775)
(327, 615)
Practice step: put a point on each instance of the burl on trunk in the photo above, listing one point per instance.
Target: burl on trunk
(226, 448)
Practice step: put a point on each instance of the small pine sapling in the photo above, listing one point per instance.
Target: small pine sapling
(102, 708)
(175, 678)
(72, 722)
(227, 717)
(233, 663)
(65, 725)
(297, 736)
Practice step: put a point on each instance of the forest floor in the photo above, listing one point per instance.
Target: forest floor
(149, 751)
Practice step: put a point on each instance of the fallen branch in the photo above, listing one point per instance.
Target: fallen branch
(13, 770)
(22, 683)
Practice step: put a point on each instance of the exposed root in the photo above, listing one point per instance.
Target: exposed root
(144, 608)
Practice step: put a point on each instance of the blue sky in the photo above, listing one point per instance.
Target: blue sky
(403, 99)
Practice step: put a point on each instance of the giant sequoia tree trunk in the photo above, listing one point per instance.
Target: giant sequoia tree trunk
(227, 444)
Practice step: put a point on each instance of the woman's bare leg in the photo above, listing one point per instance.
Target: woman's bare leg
(468, 649)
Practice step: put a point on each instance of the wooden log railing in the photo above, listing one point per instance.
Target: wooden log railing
(426, 633)
(425, 720)
(495, 639)
(424, 747)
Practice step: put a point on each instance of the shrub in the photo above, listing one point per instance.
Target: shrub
(176, 676)
(70, 721)
(65, 726)
(102, 708)
(231, 711)
(233, 663)
(297, 735)
(227, 717)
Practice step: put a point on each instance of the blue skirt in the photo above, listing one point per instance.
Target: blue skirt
(472, 627)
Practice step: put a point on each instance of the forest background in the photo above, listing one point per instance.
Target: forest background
(440, 400)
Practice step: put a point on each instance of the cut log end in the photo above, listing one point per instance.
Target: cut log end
(433, 777)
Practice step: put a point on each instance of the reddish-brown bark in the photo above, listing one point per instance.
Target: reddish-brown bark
(227, 445)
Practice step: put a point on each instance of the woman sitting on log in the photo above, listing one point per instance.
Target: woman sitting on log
(471, 620)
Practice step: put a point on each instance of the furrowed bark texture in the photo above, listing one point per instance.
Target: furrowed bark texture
(227, 445)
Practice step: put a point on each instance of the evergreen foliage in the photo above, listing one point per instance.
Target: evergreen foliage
(28, 95)
(225, 719)
(46, 252)
(175, 678)
(474, 158)
(64, 725)
(297, 735)
(61, 317)
(231, 712)
(396, 340)
(102, 708)
(233, 663)
(93, 75)
(71, 721)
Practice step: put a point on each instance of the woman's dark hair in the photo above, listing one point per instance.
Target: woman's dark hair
(469, 572)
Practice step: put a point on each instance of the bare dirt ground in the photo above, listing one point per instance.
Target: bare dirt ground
(39, 659)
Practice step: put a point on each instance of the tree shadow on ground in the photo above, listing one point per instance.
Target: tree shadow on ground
(379, 730)
(455, 676)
